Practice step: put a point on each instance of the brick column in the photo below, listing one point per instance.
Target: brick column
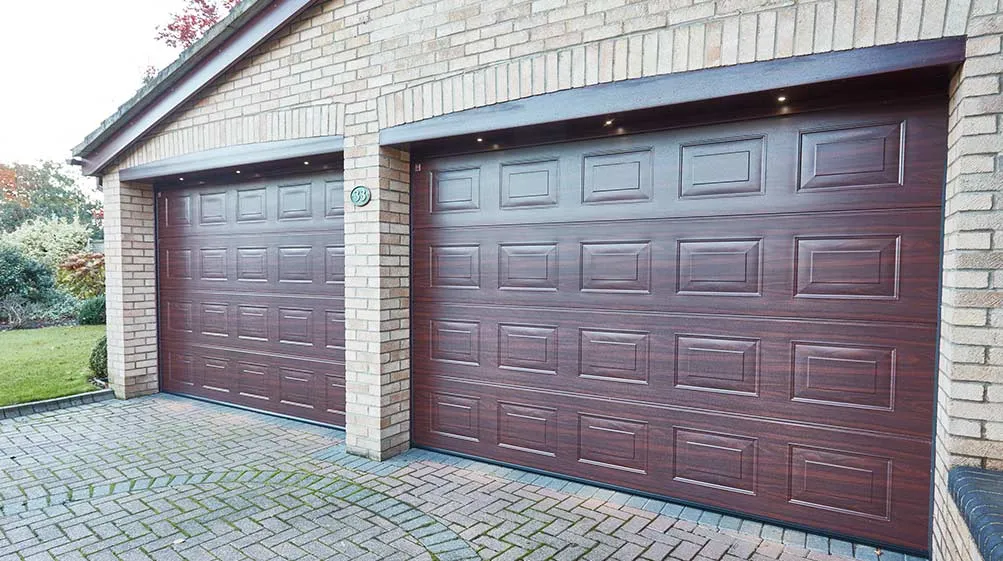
(377, 300)
(970, 384)
(131, 287)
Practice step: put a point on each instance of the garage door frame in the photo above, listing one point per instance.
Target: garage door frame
(257, 160)
(429, 132)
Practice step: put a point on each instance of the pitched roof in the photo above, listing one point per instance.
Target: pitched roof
(249, 24)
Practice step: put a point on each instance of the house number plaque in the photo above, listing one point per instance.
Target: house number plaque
(361, 195)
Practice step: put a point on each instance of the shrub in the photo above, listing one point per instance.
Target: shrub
(52, 306)
(14, 309)
(50, 241)
(22, 276)
(99, 359)
(92, 311)
(82, 275)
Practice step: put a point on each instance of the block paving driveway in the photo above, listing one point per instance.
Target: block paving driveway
(169, 478)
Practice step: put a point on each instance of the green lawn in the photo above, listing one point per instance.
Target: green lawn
(46, 363)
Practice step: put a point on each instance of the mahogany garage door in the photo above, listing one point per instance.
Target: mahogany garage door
(738, 315)
(251, 293)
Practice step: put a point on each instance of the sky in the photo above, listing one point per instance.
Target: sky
(66, 65)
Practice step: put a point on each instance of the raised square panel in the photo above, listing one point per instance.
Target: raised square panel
(179, 264)
(213, 263)
(296, 326)
(296, 387)
(180, 370)
(858, 267)
(716, 460)
(294, 201)
(212, 208)
(722, 267)
(334, 394)
(840, 481)
(527, 267)
(334, 198)
(717, 364)
(455, 416)
(456, 190)
(852, 158)
(216, 374)
(618, 444)
(179, 316)
(620, 177)
(214, 320)
(252, 323)
(616, 266)
(721, 168)
(843, 375)
(455, 341)
(527, 428)
(617, 356)
(528, 184)
(334, 327)
(252, 264)
(455, 266)
(334, 264)
(252, 205)
(252, 381)
(530, 348)
(295, 264)
(178, 210)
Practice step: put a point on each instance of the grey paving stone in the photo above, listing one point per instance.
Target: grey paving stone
(190, 480)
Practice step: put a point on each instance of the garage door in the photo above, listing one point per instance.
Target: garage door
(739, 315)
(251, 294)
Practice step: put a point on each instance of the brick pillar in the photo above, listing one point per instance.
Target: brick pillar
(131, 287)
(377, 305)
(970, 383)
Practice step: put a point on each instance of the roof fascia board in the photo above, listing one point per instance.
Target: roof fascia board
(231, 156)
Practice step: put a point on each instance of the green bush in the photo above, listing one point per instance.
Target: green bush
(92, 311)
(53, 306)
(50, 241)
(82, 274)
(99, 359)
(22, 276)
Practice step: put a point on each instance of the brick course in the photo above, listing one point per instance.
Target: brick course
(353, 68)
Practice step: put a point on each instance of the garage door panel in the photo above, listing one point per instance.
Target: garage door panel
(831, 373)
(861, 266)
(823, 161)
(772, 469)
(288, 385)
(251, 207)
(304, 326)
(307, 263)
(251, 294)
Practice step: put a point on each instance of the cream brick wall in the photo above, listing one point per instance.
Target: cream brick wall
(377, 304)
(130, 288)
(355, 67)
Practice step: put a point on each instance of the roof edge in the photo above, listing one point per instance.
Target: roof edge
(249, 24)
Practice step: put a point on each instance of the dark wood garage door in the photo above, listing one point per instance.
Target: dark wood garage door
(738, 315)
(251, 294)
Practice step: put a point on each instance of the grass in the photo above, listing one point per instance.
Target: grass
(46, 363)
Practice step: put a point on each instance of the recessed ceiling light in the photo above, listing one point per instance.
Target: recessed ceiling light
(306, 163)
(608, 122)
(479, 139)
(782, 98)
(181, 179)
(238, 171)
